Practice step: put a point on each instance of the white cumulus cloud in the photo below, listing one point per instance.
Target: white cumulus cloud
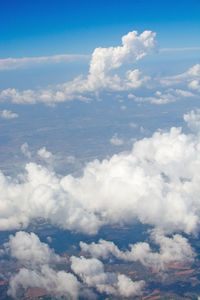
(91, 272)
(175, 249)
(157, 183)
(28, 250)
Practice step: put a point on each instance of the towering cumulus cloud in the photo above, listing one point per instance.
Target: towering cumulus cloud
(133, 48)
(100, 76)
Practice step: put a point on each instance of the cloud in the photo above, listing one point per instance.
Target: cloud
(58, 283)
(43, 153)
(174, 249)
(133, 48)
(173, 88)
(17, 63)
(157, 183)
(115, 140)
(168, 96)
(105, 75)
(101, 76)
(25, 150)
(193, 120)
(7, 114)
(194, 85)
(29, 251)
(187, 77)
(37, 260)
(91, 272)
(37, 271)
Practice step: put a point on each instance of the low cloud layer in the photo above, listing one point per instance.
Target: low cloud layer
(175, 249)
(91, 272)
(38, 270)
(157, 183)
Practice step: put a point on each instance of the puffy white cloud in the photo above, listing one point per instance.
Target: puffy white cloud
(102, 249)
(58, 283)
(176, 249)
(40, 194)
(29, 251)
(134, 47)
(100, 76)
(91, 272)
(7, 114)
(193, 120)
(194, 85)
(115, 140)
(103, 75)
(36, 258)
(157, 183)
(43, 153)
(19, 97)
(128, 288)
(173, 88)
(133, 80)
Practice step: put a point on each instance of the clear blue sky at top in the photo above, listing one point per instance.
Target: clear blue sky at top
(46, 27)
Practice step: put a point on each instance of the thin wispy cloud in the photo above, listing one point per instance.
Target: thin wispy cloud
(179, 49)
(12, 63)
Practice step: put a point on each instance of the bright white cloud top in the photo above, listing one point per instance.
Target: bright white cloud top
(157, 183)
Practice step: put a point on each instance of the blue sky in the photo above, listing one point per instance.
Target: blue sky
(35, 28)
